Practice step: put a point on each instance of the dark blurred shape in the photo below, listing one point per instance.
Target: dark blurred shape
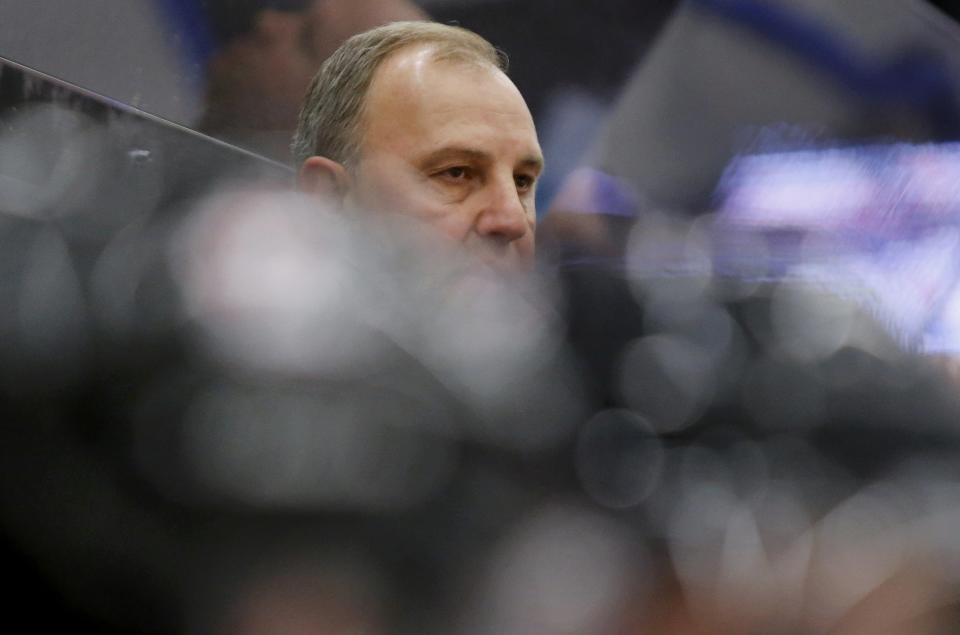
(916, 79)
(76, 170)
(558, 44)
(269, 52)
(950, 7)
(299, 429)
(230, 19)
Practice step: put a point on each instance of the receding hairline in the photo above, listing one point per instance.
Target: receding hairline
(434, 54)
(372, 49)
(441, 52)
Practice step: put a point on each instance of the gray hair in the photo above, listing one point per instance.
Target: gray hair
(330, 119)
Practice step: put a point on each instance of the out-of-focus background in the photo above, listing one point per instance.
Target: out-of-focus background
(726, 403)
(238, 68)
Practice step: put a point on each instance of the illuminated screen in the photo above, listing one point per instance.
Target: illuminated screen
(879, 222)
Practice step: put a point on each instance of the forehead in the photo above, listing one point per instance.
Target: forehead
(418, 102)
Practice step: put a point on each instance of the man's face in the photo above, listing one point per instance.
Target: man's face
(451, 144)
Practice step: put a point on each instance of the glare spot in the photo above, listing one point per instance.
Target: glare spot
(271, 279)
(696, 532)
(811, 324)
(860, 545)
(563, 571)
(49, 161)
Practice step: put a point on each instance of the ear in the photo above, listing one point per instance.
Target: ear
(326, 179)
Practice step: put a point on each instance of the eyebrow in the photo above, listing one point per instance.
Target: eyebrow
(534, 161)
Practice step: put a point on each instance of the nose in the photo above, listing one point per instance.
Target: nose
(503, 217)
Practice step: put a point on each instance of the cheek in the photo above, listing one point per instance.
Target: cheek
(398, 192)
(456, 224)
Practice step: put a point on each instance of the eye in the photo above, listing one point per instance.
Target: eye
(456, 173)
(524, 182)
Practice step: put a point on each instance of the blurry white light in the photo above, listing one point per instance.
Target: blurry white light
(933, 182)
(49, 160)
(734, 566)
(272, 279)
(499, 334)
(743, 588)
(696, 532)
(801, 189)
(278, 284)
(859, 545)
(563, 571)
(811, 324)
(943, 340)
(497, 347)
(877, 222)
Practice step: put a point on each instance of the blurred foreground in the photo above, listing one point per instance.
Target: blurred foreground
(237, 413)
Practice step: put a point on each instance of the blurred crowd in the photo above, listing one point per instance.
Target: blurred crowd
(724, 402)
